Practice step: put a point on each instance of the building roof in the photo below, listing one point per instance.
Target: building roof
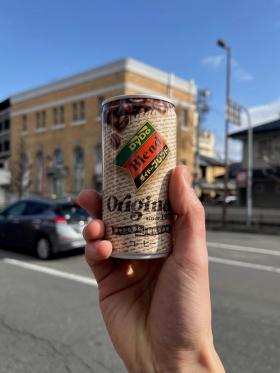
(4, 104)
(125, 64)
(262, 128)
(209, 161)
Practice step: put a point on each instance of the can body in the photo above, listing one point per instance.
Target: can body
(139, 152)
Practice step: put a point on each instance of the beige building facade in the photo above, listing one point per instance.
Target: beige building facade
(56, 128)
(207, 144)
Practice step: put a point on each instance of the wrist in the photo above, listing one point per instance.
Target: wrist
(205, 360)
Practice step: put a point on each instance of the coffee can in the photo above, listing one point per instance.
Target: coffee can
(139, 153)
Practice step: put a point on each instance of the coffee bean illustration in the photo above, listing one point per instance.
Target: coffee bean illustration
(160, 106)
(126, 108)
(122, 123)
(115, 141)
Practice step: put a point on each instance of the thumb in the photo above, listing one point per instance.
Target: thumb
(189, 227)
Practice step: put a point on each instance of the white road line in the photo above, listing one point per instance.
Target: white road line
(92, 282)
(238, 263)
(256, 250)
(51, 271)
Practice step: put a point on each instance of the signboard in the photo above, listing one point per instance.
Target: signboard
(241, 179)
(233, 113)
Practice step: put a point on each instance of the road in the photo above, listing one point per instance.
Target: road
(50, 321)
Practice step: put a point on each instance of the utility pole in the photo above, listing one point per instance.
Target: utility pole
(234, 116)
(202, 109)
(223, 45)
(249, 169)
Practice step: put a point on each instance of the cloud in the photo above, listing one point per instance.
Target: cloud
(265, 113)
(239, 73)
(260, 114)
(213, 61)
(243, 75)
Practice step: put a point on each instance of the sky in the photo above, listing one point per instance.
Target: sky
(42, 41)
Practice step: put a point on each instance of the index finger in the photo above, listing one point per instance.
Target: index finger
(91, 201)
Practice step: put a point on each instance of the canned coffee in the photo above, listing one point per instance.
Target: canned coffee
(139, 152)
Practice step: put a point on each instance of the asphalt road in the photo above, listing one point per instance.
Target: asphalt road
(50, 321)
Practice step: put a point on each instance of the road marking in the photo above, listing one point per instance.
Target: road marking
(51, 271)
(247, 249)
(92, 282)
(238, 263)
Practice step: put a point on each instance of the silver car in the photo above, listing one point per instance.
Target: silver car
(44, 226)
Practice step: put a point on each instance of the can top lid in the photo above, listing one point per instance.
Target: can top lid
(123, 97)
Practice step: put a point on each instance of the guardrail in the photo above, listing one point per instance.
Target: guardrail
(237, 216)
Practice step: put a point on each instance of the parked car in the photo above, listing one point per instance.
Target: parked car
(230, 200)
(46, 226)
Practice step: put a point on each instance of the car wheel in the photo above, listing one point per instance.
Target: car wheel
(43, 248)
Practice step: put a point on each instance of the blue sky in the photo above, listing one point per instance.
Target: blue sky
(42, 41)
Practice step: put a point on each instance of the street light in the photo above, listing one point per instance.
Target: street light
(221, 43)
(234, 116)
(202, 110)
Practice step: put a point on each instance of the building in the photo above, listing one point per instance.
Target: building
(266, 165)
(56, 131)
(211, 170)
(5, 147)
(207, 146)
(211, 174)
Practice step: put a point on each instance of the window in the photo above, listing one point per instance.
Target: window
(58, 158)
(59, 174)
(61, 114)
(55, 117)
(183, 119)
(35, 208)
(71, 209)
(24, 124)
(82, 110)
(78, 111)
(15, 210)
(58, 116)
(6, 146)
(38, 120)
(203, 172)
(41, 120)
(75, 112)
(7, 125)
(78, 169)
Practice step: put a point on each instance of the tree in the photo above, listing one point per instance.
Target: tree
(20, 169)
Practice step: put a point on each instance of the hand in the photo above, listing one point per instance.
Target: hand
(158, 311)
